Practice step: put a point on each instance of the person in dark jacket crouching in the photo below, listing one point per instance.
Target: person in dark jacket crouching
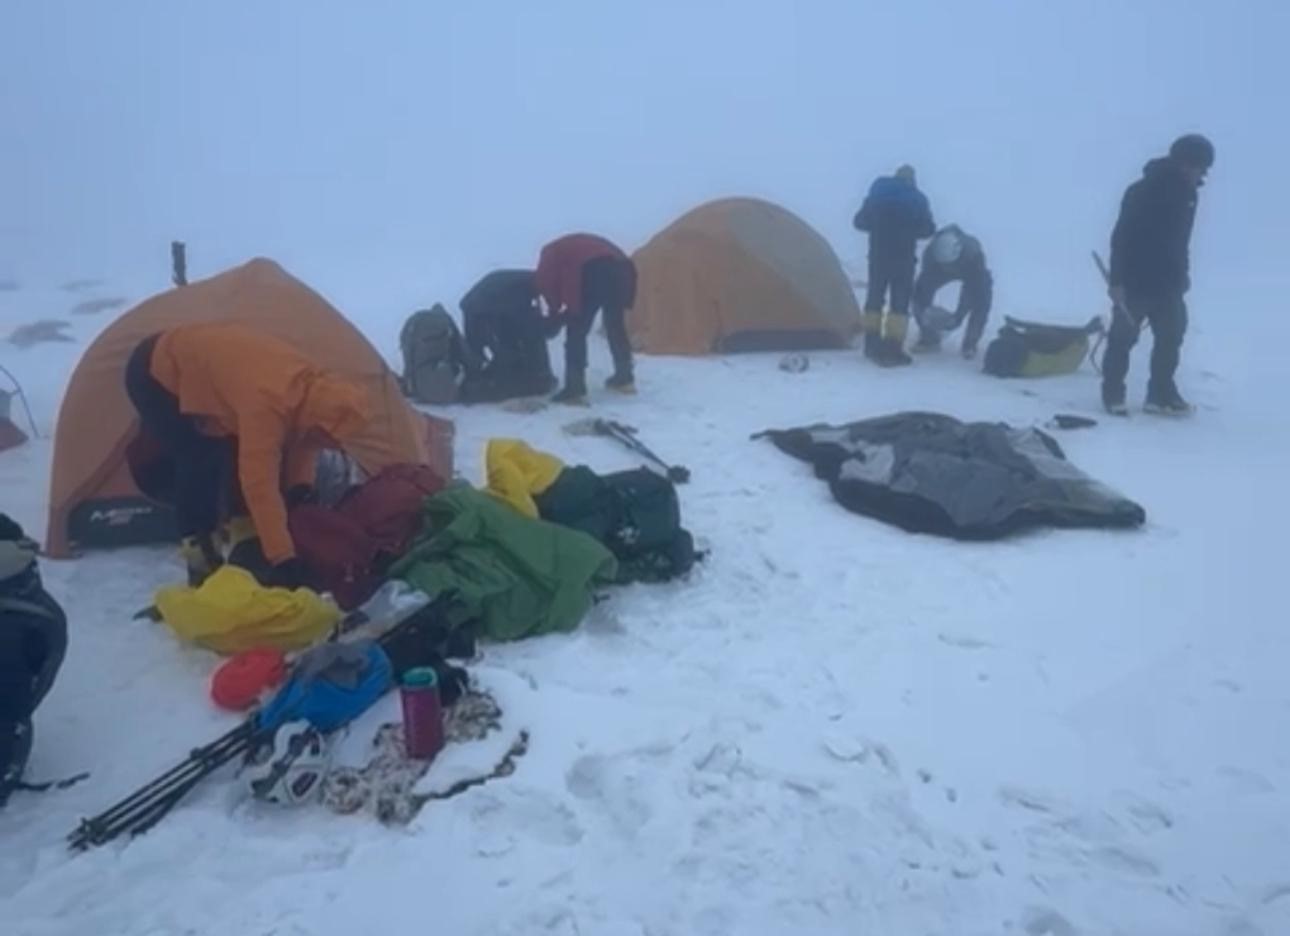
(33, 642)
(1151, 273)
(506, 335)
(953, 256)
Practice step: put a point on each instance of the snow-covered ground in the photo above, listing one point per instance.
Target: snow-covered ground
(832, 727)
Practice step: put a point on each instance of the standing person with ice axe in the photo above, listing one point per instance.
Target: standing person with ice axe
(577, 276)
(1150, 273)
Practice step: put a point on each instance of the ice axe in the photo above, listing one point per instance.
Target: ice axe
(626, 435)
(1118, 306)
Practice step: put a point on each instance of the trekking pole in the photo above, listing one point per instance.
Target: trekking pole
(148, 811)
(146, 818)
(148, 805)
(677, 474)
(92, 831)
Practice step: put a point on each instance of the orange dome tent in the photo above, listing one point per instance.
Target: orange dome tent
(741, 274)
(93, 499)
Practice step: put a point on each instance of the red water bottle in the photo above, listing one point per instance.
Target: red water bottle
(422, 713)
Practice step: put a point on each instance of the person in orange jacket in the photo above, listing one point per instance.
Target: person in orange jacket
(217, 396)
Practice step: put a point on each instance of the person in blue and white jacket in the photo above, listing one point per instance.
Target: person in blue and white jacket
(896, 216)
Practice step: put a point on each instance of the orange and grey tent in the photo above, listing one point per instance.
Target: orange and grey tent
(94, 501)
(741, 274)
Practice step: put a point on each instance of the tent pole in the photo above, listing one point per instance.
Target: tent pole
(179, 263)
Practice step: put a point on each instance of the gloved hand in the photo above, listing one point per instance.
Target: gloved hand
(249, 555)
(299, 494)
(200, 557)
(552, 325)
(289, 573)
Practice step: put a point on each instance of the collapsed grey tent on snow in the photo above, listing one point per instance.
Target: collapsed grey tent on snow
(929, 473)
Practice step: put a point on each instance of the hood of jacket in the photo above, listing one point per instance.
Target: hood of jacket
(1164, 172)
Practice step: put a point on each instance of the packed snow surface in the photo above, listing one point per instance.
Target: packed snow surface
(831, 727)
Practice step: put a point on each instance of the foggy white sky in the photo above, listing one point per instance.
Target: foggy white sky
(445, 139)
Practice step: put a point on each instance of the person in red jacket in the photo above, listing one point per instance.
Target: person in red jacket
(577, 276)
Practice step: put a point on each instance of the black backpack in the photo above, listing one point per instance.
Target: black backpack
(435, 359)
(33, 642)
(1031, 349)
(635, 514)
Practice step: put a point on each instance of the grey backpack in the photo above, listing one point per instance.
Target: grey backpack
(434, 361)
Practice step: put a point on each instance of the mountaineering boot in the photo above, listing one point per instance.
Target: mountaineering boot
(1167, 403)
(622, 381)
(928, 342)
(968, 352)
(200, 557)
(575, 390)
(236, 531)
(893, 355)
(571, 396)
(872, 326)
(1113, 401)
(891, 351)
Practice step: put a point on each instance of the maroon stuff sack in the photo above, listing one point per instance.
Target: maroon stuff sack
(347, 548)
(389, 505)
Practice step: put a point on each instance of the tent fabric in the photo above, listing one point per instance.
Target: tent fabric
(92, 491)
(741, 274)
(930, 473)
(515, 576)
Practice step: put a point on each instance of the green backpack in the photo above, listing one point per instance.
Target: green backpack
(1032, 349)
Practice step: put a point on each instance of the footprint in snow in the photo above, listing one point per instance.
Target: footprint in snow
(1277, 892)
(964, 641)
(1047, 922)
(499, 816)
(1246, 781)
(612, 788)
(1241, 927)
(1018, 798)
(855, 750)
(1146, 816)
(1117, 858)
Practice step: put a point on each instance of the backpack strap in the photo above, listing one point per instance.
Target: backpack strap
(26, 607)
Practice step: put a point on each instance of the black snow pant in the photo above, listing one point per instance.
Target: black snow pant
(201, 468)
(890, 272)
(1167, 316)
(608, 284)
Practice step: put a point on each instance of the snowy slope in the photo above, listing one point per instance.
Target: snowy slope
(834, 727)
